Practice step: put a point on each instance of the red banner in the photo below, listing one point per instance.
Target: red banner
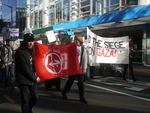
(56, 61)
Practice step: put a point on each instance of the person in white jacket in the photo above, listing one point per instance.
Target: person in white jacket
(82, 57)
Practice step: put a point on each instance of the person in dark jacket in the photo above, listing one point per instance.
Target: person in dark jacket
(130, 65)
(25, 74)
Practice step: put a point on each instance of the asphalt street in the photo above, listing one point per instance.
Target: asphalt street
(101, 93)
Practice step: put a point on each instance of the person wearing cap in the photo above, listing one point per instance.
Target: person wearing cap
(7, 59)
(82, 57)
(25, 74)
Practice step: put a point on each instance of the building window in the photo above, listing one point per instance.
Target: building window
(85, 8)
(52, 15)
(40, 19)
(59, 12)
(111, 5)
(66, 10)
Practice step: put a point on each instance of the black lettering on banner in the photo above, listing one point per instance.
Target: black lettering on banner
(90, 50)
(113, 45)
(121, 44)
(94, 49)
(89, 39)
(106, 44)
(117, 45)
(99, 42)
(94, 42)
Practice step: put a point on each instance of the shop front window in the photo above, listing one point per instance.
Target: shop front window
(148, 48)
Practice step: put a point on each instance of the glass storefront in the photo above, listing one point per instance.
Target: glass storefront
(135, 34)
(147, 51)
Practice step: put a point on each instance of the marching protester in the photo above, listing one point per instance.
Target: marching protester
(82, 57)
(130, 65)
(2, 67)
(25, 74)
(7, 59)
(55, 81)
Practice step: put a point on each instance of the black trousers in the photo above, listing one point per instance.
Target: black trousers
(80, 84)
(130, 69)
(92, 69)
(29, 97)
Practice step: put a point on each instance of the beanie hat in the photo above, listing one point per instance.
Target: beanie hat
(28, 37)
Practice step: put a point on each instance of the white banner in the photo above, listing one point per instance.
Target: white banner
(107, 50)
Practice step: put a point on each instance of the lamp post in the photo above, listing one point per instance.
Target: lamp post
(11, 12)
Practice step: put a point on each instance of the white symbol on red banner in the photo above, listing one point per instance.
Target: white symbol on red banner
(53, 63)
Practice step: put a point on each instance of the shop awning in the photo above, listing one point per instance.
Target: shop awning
(124, 15)
(42, 30)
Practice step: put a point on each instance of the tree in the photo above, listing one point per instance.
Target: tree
(2, 25)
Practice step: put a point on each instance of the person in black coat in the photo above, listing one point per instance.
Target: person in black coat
(25, 74)
(130, 65)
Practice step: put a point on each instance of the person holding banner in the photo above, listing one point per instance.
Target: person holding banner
(130, 65)
(25, 74)
(82, 57)
(55, 81)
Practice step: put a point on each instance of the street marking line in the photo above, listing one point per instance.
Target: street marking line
(107, 89)
(8, 98)
(135, 88)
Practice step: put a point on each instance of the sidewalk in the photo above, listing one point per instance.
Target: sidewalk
(141, 70)
(140, 88)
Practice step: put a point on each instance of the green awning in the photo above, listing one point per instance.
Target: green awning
(42, 30)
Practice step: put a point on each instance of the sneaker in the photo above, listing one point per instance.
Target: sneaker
(83, 101)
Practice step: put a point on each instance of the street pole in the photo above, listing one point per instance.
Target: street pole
(11, 12)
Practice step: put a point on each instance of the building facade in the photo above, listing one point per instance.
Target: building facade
(13, 11)
(40, 14)
(43, 13)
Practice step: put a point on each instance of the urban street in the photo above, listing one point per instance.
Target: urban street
(104, 95)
